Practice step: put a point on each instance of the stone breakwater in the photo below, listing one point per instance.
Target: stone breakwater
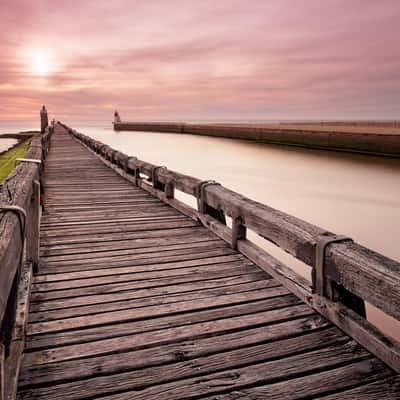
(380, 144)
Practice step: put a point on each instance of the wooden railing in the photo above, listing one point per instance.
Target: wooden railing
(19, 238)
(344, 272)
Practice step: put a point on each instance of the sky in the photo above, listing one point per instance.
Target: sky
(200, 60)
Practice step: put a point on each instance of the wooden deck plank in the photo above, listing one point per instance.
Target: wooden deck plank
(135, 300)
(149, 301)
(383, 389)
(114, 255)
(122, 245)
(208, 344)
(130, 314)
(153, 292)
(308, 386)
(308, 348)
(233, 378)
(103, 339)
(147, 259)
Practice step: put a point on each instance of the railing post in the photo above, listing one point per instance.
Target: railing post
(205, 208)
(239, 231)
(2, 371)
(325, 287)
(136, 173)
(34, 228)
(44, 119)
(169, 190)
(156, 183)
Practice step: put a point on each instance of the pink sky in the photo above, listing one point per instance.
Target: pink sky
(182, 59)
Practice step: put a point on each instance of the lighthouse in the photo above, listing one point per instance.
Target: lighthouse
(117, 118)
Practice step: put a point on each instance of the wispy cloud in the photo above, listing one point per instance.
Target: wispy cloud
(189, 59)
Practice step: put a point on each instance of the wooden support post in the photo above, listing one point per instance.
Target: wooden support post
(36, 226)
(156, 183)
(239, 231)
(2, 372)
(325, 287)
(137, 176)
(169, 190)
(44, 119)
(205, 208)
(6, 332)
(350, 300)
(33, 227)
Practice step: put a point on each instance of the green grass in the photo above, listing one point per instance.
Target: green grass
(7, 160)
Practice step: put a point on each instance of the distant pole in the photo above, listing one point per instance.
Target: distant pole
(44, 119)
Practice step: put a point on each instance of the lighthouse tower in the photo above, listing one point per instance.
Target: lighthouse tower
(117, 118)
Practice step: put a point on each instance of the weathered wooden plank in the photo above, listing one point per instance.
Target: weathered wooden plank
(116, 255)
(151, 301)
(283, 351)
(121, 337)
(152, 268)
(82, 240)
(383, 389)
(103, 215)
(131, 283)
(302, 387)
(142, 260)
(117, 228)
(108, 247)
(212, 383)
(153, 292)
(132, 314)
(212, 343)
(132, 276)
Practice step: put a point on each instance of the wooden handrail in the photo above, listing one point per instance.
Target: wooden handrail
(357, 273)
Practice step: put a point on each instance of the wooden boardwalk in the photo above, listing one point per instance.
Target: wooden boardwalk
(134, 300)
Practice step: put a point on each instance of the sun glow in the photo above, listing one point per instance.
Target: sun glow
(41, 62)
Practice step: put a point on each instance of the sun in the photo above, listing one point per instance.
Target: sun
(41, 62)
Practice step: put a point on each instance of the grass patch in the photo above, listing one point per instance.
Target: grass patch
(7, 160)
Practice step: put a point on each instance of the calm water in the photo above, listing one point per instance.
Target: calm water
(5, 144)
(349, 194)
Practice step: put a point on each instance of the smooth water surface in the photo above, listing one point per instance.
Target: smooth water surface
(6, 144)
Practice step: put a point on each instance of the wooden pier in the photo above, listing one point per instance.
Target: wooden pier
(139, 296)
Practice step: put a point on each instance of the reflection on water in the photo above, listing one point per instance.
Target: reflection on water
(349, 194)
